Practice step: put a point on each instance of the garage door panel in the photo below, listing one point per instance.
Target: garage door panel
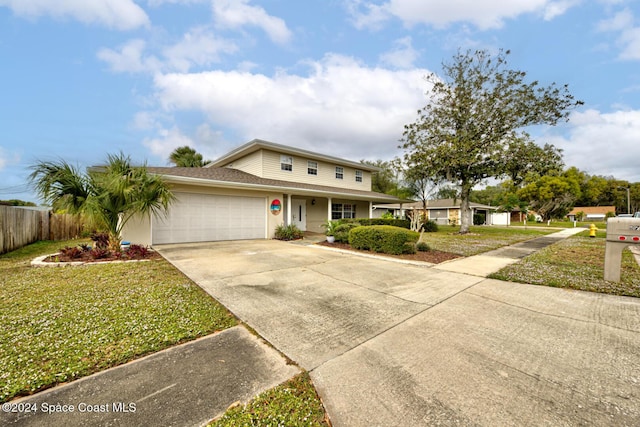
(203, 217)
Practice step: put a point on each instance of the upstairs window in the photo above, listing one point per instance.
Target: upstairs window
(339, 172)
(312, 168)
(358, 176)
(286, 163)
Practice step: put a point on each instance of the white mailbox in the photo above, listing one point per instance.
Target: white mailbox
(621, 232)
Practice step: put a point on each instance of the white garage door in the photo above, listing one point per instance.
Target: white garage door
(204, 218)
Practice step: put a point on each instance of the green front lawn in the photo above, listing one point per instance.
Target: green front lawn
(576, 263)
(480, 239)
(59, 324)
(560, 224)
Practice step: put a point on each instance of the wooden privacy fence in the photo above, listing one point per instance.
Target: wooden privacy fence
(19, 227)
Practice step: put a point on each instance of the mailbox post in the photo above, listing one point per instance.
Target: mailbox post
(621, 232)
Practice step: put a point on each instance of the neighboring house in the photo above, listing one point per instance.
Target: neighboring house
(253, 189)
(592, 213)
(443, 211)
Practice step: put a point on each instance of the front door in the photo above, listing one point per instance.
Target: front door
(299, 213)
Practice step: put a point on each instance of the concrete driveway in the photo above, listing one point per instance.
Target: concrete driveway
(397, 344)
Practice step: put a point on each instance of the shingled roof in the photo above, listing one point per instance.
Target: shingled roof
(233, 177)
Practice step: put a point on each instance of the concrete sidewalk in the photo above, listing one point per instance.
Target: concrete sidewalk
(489, 262)
(186, 385)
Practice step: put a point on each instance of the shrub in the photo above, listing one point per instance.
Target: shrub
(341, 232)
(478, 219)
(430, 226)
(137, 251)
(99, 253)
(101, 240)
(384, 238)
(330, 227)
(409, 248)
(71, 252)
(422, 247)
(288, 232)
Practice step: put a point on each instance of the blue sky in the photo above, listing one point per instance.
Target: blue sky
(81, 79)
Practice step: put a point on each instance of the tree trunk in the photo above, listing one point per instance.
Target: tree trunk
(114, 243)
(465, 209)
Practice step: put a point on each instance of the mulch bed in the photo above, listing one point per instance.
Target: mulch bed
(434, 257)
(87, 257)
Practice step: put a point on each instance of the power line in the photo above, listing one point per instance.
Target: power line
(15, 189)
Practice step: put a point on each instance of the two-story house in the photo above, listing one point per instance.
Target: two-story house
(249, 191)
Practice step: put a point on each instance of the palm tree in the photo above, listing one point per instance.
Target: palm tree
(187, 157)
(109, 195)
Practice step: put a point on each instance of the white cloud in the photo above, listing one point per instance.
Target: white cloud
(205, 140)
(618, 22)
(155, 3)
(238, 13)
(3, 159)
(8, 158)
(145, 120)
(130, 58)
(198, 47)
(483, 14)
(403, 55)
(603, 143)
(166, 141)
(629, 38)
(118, 14)
(557, 8)
(340, 108)
(373, 16)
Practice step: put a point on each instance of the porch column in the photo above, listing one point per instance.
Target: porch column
(401, 212)
(370, 209)
(328, 208)
(289, 219)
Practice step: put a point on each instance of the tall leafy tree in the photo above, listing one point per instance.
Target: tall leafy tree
(472, 128)
(552, 196)
(108, 195)
(187, 157)
(389, 179)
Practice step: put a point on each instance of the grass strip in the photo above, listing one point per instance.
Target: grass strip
(294, 403)
(480, 239)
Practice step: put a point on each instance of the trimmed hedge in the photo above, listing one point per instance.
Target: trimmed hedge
(341, 232)
(430, 226)
(384, 238)
(404, 223)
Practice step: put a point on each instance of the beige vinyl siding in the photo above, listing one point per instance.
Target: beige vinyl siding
(326, 172)
(251, 163)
